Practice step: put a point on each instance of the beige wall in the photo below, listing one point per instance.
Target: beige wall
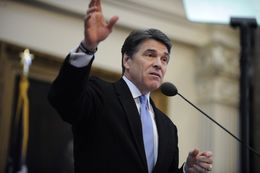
(56, 28)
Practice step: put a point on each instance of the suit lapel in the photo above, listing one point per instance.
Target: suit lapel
(132, 115)
(163, 140)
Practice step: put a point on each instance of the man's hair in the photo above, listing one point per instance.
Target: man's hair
(135, 38)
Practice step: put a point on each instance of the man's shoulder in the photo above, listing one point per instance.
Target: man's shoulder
(103, 83)
(101, 80)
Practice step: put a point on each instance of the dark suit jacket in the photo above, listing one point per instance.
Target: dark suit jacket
(106, 125)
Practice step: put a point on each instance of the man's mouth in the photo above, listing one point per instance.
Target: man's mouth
(156, 74)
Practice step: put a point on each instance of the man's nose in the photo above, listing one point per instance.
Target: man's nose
(157, 62)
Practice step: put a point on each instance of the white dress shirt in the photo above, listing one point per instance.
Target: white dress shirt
(136, 93)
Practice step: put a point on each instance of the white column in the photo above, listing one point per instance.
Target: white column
(217, 82)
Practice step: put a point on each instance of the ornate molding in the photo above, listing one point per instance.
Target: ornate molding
(168, 16)
(218, 75)
(217, 59)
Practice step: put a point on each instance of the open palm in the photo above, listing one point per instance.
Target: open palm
(96, 28)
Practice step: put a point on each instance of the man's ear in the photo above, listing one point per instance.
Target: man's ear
(126, 59)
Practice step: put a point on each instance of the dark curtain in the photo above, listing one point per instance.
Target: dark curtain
(50, 139)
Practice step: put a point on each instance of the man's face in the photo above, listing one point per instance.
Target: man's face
(147, 67)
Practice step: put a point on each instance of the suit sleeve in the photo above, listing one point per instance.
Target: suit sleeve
(175, 162)
(70, 91)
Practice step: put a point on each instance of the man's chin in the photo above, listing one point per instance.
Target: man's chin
(154, 85)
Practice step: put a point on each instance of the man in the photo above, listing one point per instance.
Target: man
(116, 126)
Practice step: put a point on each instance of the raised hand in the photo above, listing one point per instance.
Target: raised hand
(199, 162)
(96, 28)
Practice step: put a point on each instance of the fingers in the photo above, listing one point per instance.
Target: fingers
(200, 161)
(205, 157)
(91, 3)
(96, 27)
(207, 153)
(205, 166)
(98, 4)
(91, 10)
(204, 161)
(200, 169)
(95, 3)
(89, 13)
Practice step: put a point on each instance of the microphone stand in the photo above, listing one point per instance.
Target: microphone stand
(222, 127)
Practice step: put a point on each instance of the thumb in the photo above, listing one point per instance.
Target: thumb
(194, 152)
(191, 159)
(112, 22)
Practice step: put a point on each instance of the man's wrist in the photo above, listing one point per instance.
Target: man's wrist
(82, 48)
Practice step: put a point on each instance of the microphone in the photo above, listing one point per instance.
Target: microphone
(169, 89)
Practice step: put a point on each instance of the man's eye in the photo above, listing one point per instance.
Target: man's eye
(165, 59)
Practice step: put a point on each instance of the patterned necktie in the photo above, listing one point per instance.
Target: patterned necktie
(147, 128)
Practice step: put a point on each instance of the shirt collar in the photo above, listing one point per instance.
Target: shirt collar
(134, 90)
